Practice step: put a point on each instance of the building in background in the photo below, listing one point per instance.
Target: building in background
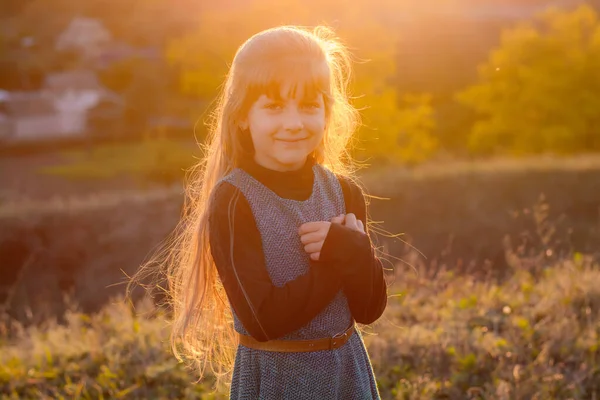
(60, 107)
(58, 110)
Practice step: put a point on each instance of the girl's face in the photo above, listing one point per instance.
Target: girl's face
(286, 129)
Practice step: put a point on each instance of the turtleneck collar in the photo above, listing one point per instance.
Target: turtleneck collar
(296, 184)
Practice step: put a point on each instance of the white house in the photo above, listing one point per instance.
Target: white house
(59, 109)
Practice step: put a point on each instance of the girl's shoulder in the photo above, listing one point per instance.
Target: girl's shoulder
(225, 188)
(350, 185)
(354, 194)
(222, 195)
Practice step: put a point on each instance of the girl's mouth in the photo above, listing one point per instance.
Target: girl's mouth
(292, 140)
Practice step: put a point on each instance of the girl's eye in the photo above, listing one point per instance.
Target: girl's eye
(273, 106)
(312, 105)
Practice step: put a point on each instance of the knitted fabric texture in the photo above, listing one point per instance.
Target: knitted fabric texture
(343, 373)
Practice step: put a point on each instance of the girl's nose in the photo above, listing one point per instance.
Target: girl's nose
(293, 121)
(295, 126)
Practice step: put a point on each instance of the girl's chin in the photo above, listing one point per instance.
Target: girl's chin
(293, 157)
(291, 161)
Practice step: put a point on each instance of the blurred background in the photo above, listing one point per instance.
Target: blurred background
(480, 141)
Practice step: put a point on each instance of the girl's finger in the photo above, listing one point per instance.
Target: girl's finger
(311, 237)
(315, 256)
(338, 220)
(361, 226)
(313, 247)
(351, 221)
(311, 227)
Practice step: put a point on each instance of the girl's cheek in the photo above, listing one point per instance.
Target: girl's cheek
(315, 124)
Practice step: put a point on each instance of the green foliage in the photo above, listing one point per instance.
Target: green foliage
(154, 160)
(401, 132)
(540, 91)
(145, 90)
(416, 142)
(204, 54)
(202, 63)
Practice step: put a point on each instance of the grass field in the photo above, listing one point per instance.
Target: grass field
(534, 335)
(532, 332)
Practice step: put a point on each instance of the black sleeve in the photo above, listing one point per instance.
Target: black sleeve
(266, 311)
(353, 256)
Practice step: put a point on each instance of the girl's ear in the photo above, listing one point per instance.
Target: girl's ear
(244, 125)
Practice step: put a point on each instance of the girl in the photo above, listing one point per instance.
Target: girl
(273, 267)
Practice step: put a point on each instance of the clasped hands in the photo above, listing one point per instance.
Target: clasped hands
(313, 234)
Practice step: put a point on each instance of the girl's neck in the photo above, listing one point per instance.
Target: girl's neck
(251, 162)
(254, 168)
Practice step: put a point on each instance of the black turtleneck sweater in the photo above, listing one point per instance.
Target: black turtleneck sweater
(347, 260)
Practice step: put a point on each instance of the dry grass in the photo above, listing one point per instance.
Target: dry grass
(112, 354)
(535, 335)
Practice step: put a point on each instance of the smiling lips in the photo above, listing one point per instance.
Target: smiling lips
(291, 140)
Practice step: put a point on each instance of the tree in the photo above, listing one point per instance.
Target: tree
(397, 130)
(146, 88)
(397, 127)
(540, 90)
(416, 121)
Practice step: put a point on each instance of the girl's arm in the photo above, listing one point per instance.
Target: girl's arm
(266, 311)
(351, 253)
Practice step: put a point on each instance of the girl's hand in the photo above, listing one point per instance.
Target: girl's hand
(351, 222)
(339, 219)
(312, 236)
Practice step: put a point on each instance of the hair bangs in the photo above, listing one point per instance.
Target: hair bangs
(289, 78)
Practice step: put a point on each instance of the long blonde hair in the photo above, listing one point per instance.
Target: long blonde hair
(202, 329)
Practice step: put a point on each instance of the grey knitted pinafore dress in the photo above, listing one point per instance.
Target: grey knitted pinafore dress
(344, 373)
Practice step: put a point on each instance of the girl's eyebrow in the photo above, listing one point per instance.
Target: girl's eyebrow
(278, 97)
